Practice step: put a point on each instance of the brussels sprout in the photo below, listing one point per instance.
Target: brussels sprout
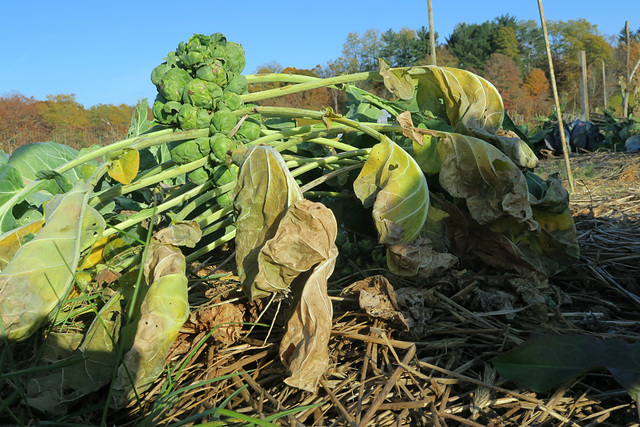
(213, 72)
(172, 84)
(366, 246)
(191, 117)
(199, 176)
(158, 72)
(224, 174)
(230, 101)
(200, 93)
(223, 121)
(187, 151)
(235, 58)
(349, 250)
(237, 84)
(249, 129)
(217, 39)
(165, 112)
(220, 144)
(224, 199)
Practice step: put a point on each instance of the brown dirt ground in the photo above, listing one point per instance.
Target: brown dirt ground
(440, 372)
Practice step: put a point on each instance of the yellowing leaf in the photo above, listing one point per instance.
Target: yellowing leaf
(125, 167)
(397, 80)
(41, 272)
(264, 191)
(12, 240)
(164, 310)
(392, 182)
(470, 100)
(95, 257)
(486, 178)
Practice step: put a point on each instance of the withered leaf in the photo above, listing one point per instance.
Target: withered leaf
(304, 252)
(377, 297)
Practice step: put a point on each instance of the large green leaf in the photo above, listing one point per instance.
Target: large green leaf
(264, 192)
(45, 156)
(544, 362)
(10, 185)
(392, 182)
(472, 104)
(470, 168)
(96, 357)
(41, 272)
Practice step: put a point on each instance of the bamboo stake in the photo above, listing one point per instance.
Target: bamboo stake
(432, 37)
(556, 98)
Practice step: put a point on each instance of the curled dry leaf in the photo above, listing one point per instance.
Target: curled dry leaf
(224, 319)
(303, 253)
(377, 297)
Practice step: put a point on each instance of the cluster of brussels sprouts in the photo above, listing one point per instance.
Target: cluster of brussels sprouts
(199, 87)
(361, 252)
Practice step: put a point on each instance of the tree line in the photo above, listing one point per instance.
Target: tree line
(62, 119)
(508, 52)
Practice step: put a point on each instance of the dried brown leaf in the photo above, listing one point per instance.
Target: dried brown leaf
(377, 297)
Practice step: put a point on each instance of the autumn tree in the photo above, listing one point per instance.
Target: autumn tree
(536, 98)
(505, 40)
(63, 111)
(504, 73)
(567, 40)
(19, 115)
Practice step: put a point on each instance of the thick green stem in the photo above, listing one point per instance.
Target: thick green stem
(204, 198)
(149, 212)
(300, 87)
(146, 180)
(211, 246)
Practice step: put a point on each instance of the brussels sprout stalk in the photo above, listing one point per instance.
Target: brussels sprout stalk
(300, 87)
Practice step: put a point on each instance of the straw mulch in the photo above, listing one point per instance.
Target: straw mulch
(439, 373)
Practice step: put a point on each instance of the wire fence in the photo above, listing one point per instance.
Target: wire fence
(77, 138)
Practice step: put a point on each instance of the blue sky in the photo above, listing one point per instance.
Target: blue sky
(104, 51)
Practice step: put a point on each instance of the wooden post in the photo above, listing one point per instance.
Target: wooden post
(627, 89)
(556, 98)
(432, 35)
(604, 85)
(584, 92)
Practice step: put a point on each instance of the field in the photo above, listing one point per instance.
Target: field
(439, 372)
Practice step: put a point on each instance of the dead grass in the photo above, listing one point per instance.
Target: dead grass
(439, 373)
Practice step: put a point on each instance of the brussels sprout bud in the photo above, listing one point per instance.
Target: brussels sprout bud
(188, 151)
(230, 101)
(172, 84)
(191, 117)
(165, 112)
(223, 121)
(224, 200)
(224, 174)
(158, 72)
(213, 72)
(198, 176)
(249, 129)
(220, 144)
(235, 58)
(237, 84)
(200, 93)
